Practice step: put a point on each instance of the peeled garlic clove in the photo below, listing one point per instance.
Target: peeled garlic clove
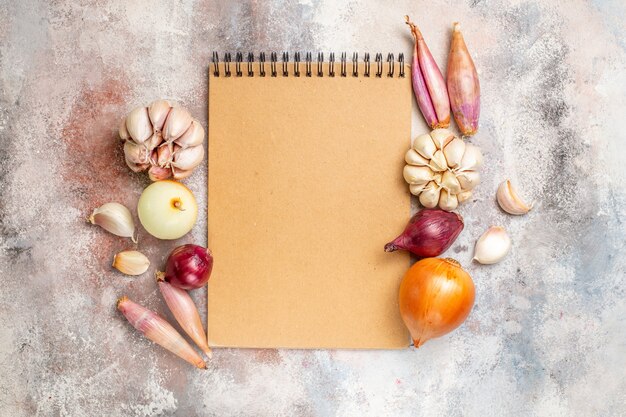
(164, 155)
(417, 175)
(450, 182)
(447, 201)
(178, 121)
(135, 153)
(158, 111)
(157, 173)
(509, 200)
(425, 146)
(472, 158)
(114, 218)
(430, 196)
(441, 137)
(131, 262)
(468, 179)
(193, 136)
(492, 246)
(123, 131)
(464, 196)
(180, 174)
(188, 158)
(416, 189)
(413, 158)
(454, 152)
(138, 124)
(438, 162)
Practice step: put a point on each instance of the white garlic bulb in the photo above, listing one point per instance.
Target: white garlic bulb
(163, 139)
(441, 169)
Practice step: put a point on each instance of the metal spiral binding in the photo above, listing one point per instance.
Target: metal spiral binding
(225, 70)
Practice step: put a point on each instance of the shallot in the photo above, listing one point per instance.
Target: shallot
(157, 329)
(430, 232)
(188, 267)
(463, 85)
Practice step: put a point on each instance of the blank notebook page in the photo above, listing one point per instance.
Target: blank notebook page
(305, 188)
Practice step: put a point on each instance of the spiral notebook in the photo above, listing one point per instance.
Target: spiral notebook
(304, 190)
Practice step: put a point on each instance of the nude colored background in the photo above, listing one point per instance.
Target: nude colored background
(547, 335)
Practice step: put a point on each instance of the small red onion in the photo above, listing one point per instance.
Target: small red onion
(188, 267)
(429, 233)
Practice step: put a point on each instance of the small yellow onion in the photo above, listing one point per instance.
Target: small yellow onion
(167, 209)
(436, 296)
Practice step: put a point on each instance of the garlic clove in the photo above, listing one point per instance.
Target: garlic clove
(438, 162)
(509, 201)
(123, 132)
(464, 196)
(158, 111)
(138, 124)
(193, 136)
(425, 146)
(454, 152)
(180, 174)
(417, 175)
(188, 158)
(450, 182)
(413, 158)
(131, 262)
(447, 201)
(441, 137)
(178, 121)
(492, 246)
(114, 218)
(135, 153)
(472, 158)
(157, 173)
(155, 140)
(164, 155)
(468, 179)
(416, 189)
(137, 167)
(437, 177)
(430, 196)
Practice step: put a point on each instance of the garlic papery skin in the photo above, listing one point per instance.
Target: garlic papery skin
(163, 139)
(131, 262)
(413, 158)
(114, 218)
(425, 146)
(509, 201)
(446, 162)
(492, 246)
(417, 175)
(177, 123)
(138, 124)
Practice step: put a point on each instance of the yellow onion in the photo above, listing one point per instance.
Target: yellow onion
(436, 296)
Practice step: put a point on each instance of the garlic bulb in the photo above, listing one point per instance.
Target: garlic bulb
(441, 169)
(163, 139)
(492, 246)
(509, 200)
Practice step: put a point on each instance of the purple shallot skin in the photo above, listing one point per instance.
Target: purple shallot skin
(188, 267)
(429, 233)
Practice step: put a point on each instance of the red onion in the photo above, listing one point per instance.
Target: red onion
(188, 267)
(429, 233)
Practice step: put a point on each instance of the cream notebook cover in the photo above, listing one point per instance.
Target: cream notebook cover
(304, 189)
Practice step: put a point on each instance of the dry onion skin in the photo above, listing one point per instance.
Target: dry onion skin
(436, 296)
(163, 139)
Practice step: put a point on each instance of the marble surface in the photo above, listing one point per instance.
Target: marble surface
(547, 336)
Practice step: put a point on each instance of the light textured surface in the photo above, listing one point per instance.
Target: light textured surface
(547, 335)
